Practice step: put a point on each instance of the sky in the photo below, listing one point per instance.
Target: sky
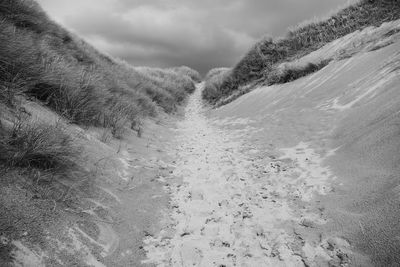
(201, 34)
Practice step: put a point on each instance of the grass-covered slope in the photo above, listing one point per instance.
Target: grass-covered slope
(61, 101)
(42, 62)
(264, 57)
(40, 59)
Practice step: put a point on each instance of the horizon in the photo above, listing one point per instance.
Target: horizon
(173, 33)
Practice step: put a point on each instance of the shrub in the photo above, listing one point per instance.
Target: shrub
(37, 145)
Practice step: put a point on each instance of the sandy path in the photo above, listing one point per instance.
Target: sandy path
(234, 208)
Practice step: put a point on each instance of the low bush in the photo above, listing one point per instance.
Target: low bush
(37, 145)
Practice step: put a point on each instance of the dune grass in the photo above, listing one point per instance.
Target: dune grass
(166, 87)
(213, 82)
(186, 71)
(287, 73)
(37, 145)
(41, 60)
(267, 54)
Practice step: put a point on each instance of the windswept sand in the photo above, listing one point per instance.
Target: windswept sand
(238, 206)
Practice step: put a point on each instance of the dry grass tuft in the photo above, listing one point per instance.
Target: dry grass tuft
(287, 73)
(37, 145)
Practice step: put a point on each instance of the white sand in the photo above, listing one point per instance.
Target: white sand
(232, 208)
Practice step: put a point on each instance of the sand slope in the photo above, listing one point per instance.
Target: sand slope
(237, 205)
(299, 174)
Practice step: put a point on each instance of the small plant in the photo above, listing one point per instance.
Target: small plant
(138, 127)
(38, 145)
(106, 135)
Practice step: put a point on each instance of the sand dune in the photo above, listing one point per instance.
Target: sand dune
(299, 174)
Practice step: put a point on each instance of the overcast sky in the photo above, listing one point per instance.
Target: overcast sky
(201, 34)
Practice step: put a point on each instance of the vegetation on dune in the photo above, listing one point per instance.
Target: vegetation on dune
(264, 57)
(42, 62)
(40, 59)
(287, 73)
(167, 87)
(186, 71)
(41, 177)
(213, 82)
(37, 145)
(216, 71)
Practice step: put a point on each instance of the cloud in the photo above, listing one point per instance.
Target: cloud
(200, 34)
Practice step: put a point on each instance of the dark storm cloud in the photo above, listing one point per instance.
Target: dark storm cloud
(200, 34)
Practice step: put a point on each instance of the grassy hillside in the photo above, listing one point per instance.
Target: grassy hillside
(261, 61)
(42, 60)
(72, 86)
